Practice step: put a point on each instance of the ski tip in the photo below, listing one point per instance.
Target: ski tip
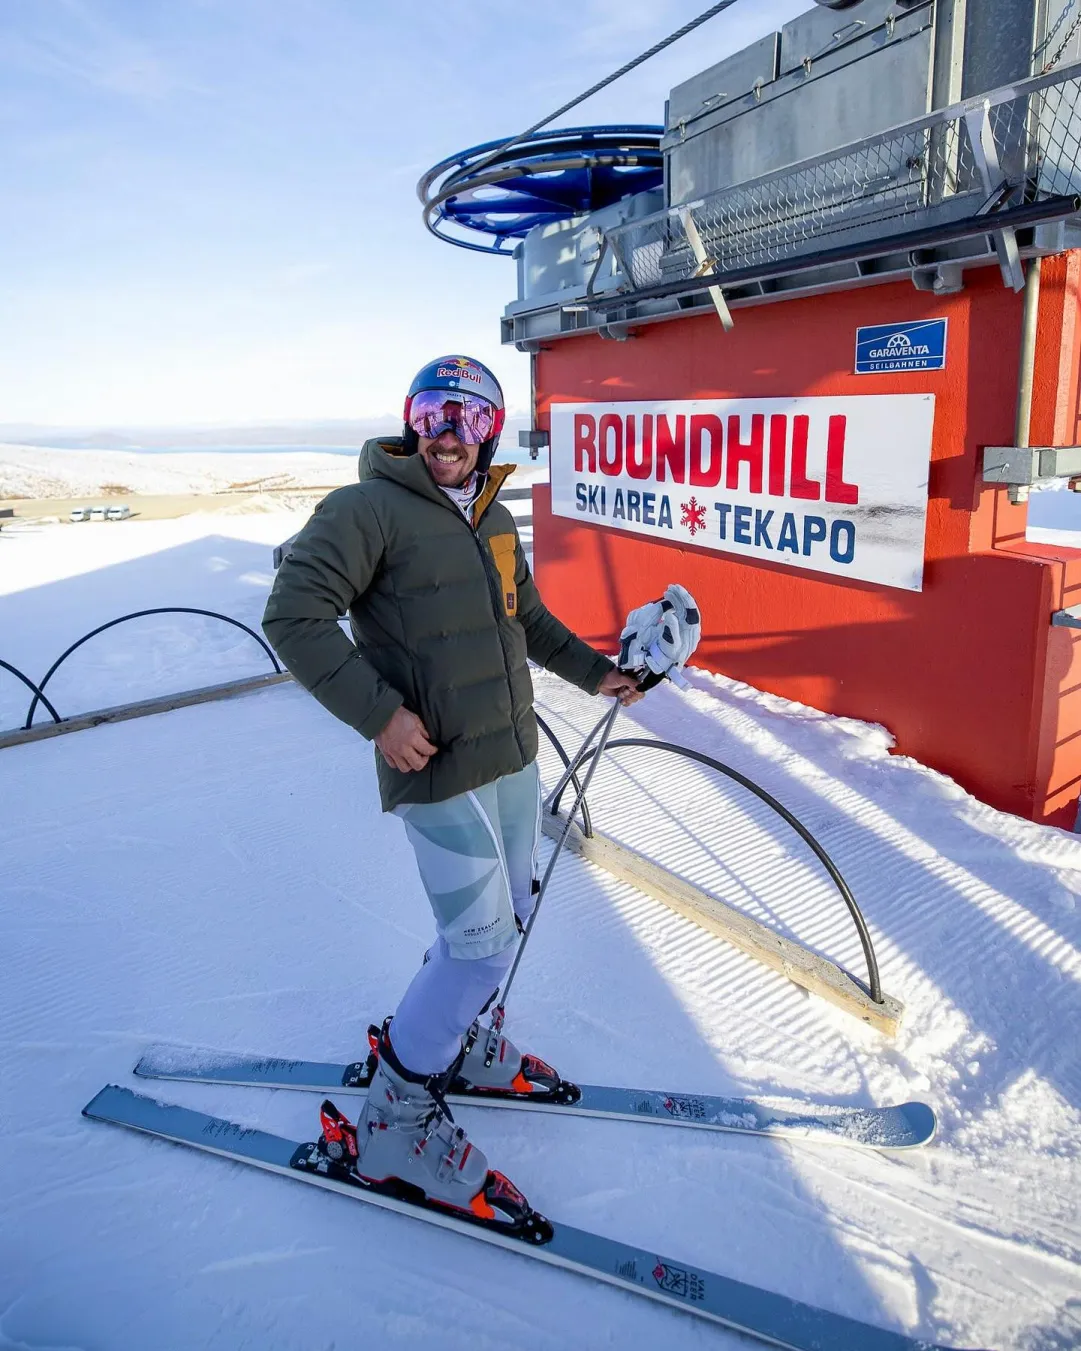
(922, 1121)
(94, 1108)
(163, 1058)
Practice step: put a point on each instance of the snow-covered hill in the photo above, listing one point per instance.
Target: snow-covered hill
(39, 472)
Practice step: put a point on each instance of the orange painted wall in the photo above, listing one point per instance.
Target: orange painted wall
(967, 674)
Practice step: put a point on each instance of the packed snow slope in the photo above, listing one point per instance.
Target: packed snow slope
(221, 876)
(57, 582)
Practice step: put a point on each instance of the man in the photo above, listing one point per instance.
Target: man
(444, 615)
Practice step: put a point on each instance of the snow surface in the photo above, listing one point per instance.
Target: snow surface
(1054, 515)
(58, 582)
(221, 876)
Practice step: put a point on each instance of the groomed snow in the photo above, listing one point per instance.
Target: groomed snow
(57, 582)
(221, 876)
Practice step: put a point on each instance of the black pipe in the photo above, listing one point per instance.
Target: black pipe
(31, 686)
(587, 824)
(139, 614)
(873, 983)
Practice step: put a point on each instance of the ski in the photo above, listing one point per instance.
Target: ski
(905, 1126)
(749, 1309)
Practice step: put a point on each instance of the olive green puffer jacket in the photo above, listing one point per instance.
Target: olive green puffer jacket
(443, 614)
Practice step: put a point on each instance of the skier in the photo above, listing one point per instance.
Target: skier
(444, 613)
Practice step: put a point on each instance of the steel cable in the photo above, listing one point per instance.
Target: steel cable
(593, 89)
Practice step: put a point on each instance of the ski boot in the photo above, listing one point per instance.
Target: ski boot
(491, 1065)
(406, 1145)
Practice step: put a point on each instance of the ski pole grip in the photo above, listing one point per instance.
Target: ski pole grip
(645, 677)
(648, 681)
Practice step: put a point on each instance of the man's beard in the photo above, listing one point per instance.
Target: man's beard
(462, 466)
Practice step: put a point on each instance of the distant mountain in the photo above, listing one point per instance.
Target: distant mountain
(343, 432)
(351, 432)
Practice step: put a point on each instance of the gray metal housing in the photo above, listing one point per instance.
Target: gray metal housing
(829, 79)
(825, 80)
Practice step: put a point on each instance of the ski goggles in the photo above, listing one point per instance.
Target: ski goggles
(471, 418)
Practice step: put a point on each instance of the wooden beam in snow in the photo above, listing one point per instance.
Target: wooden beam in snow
(144, 708)
(804, 968)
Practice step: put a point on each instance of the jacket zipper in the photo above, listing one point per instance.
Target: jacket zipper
(494, 597)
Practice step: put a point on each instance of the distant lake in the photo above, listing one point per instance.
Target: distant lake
(505, 452)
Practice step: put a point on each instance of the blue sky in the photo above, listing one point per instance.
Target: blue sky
(209, 205)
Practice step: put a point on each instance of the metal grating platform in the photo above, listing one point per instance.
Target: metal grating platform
(965, 170)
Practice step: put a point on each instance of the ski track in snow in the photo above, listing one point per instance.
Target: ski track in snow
(221, 876)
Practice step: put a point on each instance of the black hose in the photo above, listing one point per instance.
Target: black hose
(139, 614)
(587, 824)
(31, 686)
(874, 985)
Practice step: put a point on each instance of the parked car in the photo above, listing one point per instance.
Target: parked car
(97, 513)
(120, 513)
(80, 513)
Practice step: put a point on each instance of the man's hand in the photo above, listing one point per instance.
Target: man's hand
(403, 742)
(623, 686)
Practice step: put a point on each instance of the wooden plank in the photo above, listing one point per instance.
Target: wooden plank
(806, 969)
(144, 708)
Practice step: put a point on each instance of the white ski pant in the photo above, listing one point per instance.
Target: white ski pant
(477, 855)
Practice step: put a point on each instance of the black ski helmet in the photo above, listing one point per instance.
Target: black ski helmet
(458, 375)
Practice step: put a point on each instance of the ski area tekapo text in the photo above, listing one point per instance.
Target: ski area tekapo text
(835, 485)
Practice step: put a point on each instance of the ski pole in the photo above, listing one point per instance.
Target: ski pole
(499, 1013)
(568, 773)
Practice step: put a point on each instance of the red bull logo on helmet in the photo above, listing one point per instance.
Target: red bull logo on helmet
(460, 369)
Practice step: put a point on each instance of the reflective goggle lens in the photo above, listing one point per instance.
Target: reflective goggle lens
(471, 419)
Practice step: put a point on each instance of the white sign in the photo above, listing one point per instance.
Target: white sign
(837, 485)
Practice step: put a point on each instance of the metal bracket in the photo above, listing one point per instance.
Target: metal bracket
(944, 279)
(591, 281)
(706, 265)
(1021, 467)
(533, 440)
(1030, 464)
(982, 139)
(617, 332)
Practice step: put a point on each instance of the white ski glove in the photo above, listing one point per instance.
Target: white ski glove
(660, 638)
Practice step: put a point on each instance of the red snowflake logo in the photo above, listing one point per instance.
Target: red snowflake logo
(694, 516)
